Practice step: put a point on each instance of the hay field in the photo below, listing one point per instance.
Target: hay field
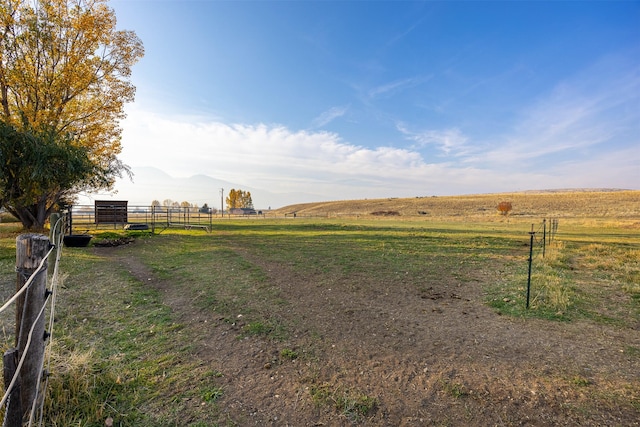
(622, 204)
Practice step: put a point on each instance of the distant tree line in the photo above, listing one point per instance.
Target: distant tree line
(237, 199)
(168, 203)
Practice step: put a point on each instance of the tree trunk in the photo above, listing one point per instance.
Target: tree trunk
(32, 217)
(42, 213)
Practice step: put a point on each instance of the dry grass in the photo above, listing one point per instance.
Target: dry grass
(577, 204)
(120, 352)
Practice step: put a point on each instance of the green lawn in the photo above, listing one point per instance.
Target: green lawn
(120, 351)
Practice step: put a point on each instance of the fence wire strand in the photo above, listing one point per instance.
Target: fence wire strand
(49, 350)
(38, 402)
(22, 357)
(28, 282)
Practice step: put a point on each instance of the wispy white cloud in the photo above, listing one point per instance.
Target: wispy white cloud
(612, 169)
(449, 141)
(277, 159)
(393, 87)
(404, 33)
(240, 151)
(585, 132)
(328, 116)
(593, 111)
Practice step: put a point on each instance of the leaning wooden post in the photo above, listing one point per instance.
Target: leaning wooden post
(31, 249)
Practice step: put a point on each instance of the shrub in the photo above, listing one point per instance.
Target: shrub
(386, 213)
(504, 208)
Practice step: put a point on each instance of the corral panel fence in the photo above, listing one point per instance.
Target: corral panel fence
(114, 215)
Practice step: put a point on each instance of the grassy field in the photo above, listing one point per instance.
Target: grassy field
(339, 321)
(568, 204)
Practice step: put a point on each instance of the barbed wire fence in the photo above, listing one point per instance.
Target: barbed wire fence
(547, 231)
(26, 366)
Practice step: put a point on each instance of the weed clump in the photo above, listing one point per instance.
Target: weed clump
(352, 404)
(385, 213)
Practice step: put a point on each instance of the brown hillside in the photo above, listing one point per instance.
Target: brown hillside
(593, 204)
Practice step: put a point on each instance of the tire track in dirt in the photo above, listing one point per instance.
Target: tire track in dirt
(430, 357)
(409, 348)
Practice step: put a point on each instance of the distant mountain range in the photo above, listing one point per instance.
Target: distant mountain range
(151, 184)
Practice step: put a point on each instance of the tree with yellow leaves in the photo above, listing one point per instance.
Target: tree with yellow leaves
(239, 199)
(64, 80)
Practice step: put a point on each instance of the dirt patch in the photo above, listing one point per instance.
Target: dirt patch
(437, 356)
(113, 242)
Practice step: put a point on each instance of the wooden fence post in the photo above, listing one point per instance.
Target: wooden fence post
(13, 412)
(31, 249)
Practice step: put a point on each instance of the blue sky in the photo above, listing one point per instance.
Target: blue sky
(368, 99)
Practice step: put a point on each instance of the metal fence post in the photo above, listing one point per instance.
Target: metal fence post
(531, 233)
(544, 237)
